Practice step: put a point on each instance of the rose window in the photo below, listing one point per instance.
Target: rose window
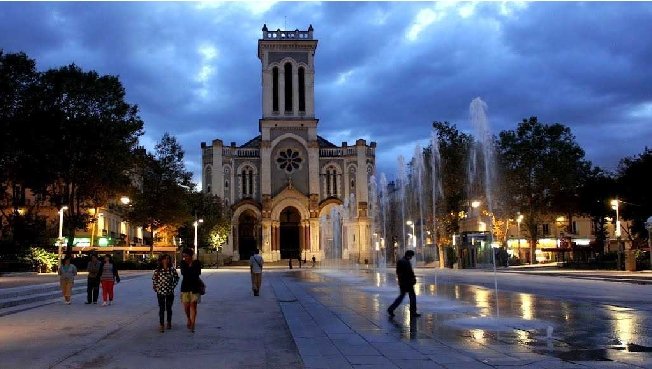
(289, 160)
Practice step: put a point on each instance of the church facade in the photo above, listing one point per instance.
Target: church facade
(283, 184)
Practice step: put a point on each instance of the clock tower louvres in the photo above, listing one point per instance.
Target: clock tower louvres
(282, 185)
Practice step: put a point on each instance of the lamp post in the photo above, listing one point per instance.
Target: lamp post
(196, 224)
(648, 226)
(414, 239)
(411, 224)
(615, 205)
(60, 239)
(125, 200)
(519, 219)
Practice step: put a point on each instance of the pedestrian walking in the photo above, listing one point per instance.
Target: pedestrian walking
(406, 282)
(164, 281)
(314, 261)
(256, 269)
(108, 276)
(93, 282)
(191, 286)
(67, 273)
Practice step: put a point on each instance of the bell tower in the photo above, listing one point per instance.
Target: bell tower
(288, 74)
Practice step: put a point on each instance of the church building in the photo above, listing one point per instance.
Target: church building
(283, 184)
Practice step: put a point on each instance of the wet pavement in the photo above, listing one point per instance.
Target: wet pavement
(319, 318)
(459, 327)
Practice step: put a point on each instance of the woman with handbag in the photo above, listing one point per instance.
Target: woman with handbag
(164, 280)
(192, 286)
(108, 276)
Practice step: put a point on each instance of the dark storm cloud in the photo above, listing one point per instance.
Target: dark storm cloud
(384, 71)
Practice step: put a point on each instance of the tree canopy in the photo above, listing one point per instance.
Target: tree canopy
(544, 165)
(164, 187)
(70, 135)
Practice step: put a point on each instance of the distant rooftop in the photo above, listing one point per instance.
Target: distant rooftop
(287, 35)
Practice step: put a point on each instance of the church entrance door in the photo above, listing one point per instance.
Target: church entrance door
(246, 234)
(290, 223)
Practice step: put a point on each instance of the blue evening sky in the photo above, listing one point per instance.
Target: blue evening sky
(384, 70)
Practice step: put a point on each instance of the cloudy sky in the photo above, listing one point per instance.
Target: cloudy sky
(384, 70)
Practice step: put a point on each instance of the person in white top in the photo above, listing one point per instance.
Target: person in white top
(256, 267)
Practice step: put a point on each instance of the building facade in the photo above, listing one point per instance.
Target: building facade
(283, 184)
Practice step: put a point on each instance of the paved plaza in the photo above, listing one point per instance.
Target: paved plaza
(314, 318)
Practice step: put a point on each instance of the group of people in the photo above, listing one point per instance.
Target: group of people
(102, 273)
(166, 278)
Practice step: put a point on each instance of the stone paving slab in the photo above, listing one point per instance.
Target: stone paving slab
(298, 321)
(234, 330)
(367, 340)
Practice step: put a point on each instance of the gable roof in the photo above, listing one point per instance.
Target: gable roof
(254, 143)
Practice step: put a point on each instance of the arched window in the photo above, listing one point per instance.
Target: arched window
(247, 182)
(208, 179)
(275, 89)
(302, 89)
(288, 87)
(331, 181)
(251, 183)
(328, 182)
(244, 182)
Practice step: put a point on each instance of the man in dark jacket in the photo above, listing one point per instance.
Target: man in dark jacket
(93, 284)
(406, 282)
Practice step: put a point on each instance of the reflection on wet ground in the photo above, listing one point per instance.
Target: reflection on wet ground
(465, 315)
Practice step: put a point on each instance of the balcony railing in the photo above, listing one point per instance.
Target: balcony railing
(241, 153)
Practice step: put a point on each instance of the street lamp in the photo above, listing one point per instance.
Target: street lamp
(475, 203)
(125, 200)
(414, 235)
(615, 205)
(648, 226)
(519, 219)
(196, 224)
(60, 239)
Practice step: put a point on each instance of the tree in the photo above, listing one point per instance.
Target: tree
(164, 187)
(87, 136)
(219, 234)
(594, 195)
(634, 190)
(454, 149)
(18, 77)
(214, 230)
(543, 163)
